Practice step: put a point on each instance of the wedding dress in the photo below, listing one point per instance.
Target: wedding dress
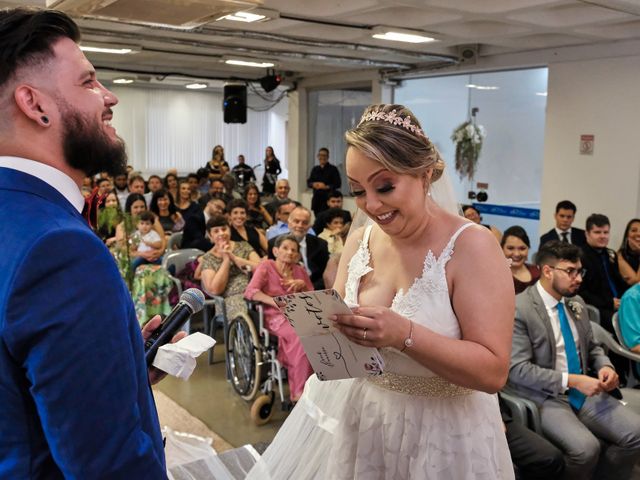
(407, 423)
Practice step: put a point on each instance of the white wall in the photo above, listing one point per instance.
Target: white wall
(599, 97)
(166, 129)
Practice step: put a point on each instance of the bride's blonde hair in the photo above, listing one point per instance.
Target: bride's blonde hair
(391, 135)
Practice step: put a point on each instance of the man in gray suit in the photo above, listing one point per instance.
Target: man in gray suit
(556, 363)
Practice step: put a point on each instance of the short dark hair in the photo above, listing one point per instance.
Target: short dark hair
(597, 220)
(153, 204)
(323, 149)
(467, 207)
(280, 239)
(202, 173)
(136, 178)
(335, 194)
(552, 252)
(154, 176)
(147, 216)
(27, 36)
(330, 214)
(236, 203)
(102, 180)
(566, 205)
(217, 221)
(518, 232)
(133, 197)
(193, 175)
(282, 203)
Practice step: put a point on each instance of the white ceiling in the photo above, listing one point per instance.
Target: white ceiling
(332, 36)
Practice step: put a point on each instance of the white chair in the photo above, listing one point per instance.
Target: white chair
(174, 242)
(632, 377)
(594, 313)
(630, 396)
(173, 262)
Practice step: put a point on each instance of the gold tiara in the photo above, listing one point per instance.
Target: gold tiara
(394, 119)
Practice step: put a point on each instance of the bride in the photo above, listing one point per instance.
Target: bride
(436, 297)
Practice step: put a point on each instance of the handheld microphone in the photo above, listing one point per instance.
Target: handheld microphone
(191, 301)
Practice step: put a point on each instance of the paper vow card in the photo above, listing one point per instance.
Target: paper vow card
(330, 353)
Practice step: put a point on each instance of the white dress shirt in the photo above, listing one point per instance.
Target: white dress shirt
(52, 176)
(550, 304)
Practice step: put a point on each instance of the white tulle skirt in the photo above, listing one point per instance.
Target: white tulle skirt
(353, 429)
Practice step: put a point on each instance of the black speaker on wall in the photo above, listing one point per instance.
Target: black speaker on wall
(234, 103)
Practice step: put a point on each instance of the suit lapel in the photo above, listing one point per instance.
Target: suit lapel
(581, 327)
(541, 310)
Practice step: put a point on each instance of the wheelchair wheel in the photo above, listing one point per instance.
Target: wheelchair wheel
(262, 409)
(244, 357)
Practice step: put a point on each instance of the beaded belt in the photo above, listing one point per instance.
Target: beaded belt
(424, 386)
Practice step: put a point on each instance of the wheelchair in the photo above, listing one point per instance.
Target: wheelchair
(252, 363)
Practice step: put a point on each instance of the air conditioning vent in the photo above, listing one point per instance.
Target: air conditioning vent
(174, 13)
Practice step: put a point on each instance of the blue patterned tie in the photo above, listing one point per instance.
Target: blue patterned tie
(576, 397)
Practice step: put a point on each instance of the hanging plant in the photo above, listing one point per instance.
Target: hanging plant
(468, 139)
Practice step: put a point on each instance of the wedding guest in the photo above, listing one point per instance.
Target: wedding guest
(184, 203)
(171, 184)
(564, 231)
(279, 277)
(243, 173)
(240, 231)
(223, 269)
(165, 209)
(629, 253)
(471, 213)
(258, 216)
(271, 171)
(323, 178)
(515, 245)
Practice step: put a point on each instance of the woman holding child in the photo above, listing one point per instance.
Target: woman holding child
(433, 293)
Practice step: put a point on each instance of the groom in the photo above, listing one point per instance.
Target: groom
(74, 387)
(556, 363)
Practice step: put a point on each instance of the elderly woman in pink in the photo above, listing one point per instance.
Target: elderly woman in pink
(280, 277)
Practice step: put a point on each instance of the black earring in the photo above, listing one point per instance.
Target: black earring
(44, 119)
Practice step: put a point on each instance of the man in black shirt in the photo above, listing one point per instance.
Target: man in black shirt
(323, 178)
(243, 173)
(602, 285)
(334, 201)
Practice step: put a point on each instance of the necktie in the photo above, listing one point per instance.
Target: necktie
(565, 236)
(303, 254)
(576, 397)
(605, 264)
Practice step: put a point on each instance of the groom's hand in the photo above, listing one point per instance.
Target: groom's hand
(588, 385)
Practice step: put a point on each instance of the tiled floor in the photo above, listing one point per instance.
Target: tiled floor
(209, 397)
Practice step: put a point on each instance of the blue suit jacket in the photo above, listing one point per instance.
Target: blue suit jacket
(75, 400)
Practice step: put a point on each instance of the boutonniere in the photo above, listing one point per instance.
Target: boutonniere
(612, 256)
(576, 308)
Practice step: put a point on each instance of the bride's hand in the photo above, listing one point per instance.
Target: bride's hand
(373, 327)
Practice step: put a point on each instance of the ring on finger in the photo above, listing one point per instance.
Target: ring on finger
(364, 333)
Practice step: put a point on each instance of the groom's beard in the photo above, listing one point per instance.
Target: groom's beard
(88, 148)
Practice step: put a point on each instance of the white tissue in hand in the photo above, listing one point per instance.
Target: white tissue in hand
(179, 359)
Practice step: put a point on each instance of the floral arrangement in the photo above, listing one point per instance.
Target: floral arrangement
(576, 308)
(468, 139)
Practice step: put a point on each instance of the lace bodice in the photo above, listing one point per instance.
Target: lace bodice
(425, 302)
